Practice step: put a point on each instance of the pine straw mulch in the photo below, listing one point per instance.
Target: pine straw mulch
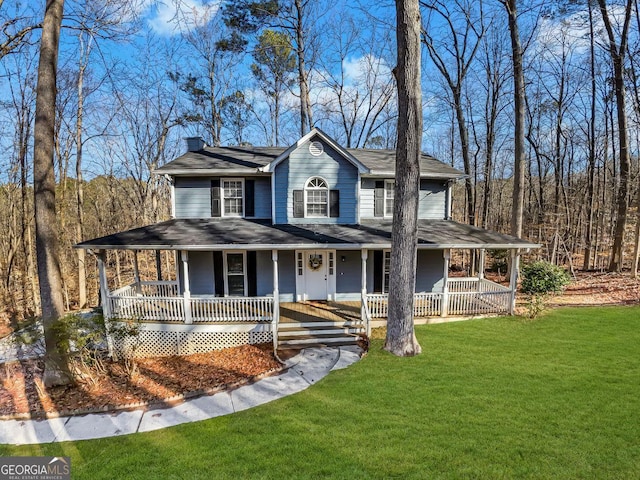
(158, 380)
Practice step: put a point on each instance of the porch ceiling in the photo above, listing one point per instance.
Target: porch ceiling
(228, 233)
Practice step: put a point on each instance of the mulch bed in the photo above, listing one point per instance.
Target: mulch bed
(155, 380)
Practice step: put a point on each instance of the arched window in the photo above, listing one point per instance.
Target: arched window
(316, 195)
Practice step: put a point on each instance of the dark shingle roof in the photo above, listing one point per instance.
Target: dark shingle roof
(220, 160)
(219, 234)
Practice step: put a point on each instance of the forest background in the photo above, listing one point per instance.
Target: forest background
(135, 78)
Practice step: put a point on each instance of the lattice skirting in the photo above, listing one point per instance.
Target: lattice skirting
(164, 340)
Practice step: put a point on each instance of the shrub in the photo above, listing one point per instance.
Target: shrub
(543, 278)
(539, 279)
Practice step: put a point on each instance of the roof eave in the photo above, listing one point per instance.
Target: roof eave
(209, 172)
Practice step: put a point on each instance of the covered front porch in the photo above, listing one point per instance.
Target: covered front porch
(224, 285)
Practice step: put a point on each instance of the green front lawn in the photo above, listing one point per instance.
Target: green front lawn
(558, 397)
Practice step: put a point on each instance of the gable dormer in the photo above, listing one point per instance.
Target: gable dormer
(316, 181)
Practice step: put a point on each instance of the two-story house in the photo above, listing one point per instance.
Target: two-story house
(292, 245)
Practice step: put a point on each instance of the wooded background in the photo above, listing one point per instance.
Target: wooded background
(263, 73)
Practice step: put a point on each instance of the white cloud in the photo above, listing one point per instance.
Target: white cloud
(171, 17)
(561, 32)
(358, 68)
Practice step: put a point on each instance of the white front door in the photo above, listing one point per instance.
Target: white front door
(316, 275)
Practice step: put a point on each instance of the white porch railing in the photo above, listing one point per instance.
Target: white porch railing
(467, 296)
(159, 302)
(159, 289)
(232, 309)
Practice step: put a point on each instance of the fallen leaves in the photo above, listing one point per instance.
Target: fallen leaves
(157, 379)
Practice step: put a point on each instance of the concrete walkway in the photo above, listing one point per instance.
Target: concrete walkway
(306, 368)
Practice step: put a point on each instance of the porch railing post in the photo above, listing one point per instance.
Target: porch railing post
(187, 292)
(513, 280)
(136, 273)
(444, 308)
(276, 300)
(363, 296)
(106, 300)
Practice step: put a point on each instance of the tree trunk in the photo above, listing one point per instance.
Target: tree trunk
(617, 53)
(56, 370)
(303, 81)
(82, 269)
(588, 241)
(401, 339)
(519, 102)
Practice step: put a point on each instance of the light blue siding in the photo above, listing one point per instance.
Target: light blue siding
(287, 275)
(433, 199)
(429, 274)
(430, 271)
(264, 273)
(201, 273)
(192, 197)
(292, 174)
(349, 272)
(262, 200)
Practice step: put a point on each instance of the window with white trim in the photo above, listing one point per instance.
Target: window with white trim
(235, 274)
(232, 197)
(386, 269)
(316, 193)
(389, 186)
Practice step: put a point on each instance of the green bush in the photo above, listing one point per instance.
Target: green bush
(539, 279)
(543, 278)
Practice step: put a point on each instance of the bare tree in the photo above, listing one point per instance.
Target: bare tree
(56, 370)
(14, 30)
(361, 88)
(401, 339)
(519, 97)
(457, 42)
(617, 52)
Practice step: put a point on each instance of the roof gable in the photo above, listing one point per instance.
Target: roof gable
(316, 132)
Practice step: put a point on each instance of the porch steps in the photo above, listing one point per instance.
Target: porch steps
(317, 340)
(306, 334)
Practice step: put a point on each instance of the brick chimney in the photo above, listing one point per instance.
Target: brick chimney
(194, 144)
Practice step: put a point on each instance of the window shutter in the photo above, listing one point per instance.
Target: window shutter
(298, 204)
(216, 198)
(249, 198)
(252, 274)
(334, 203)
(218, 274)
(378, 199)
(378, 260)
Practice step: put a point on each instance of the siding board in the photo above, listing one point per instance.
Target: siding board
(192, 197)
(432, 201)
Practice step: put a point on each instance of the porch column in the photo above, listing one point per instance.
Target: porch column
(158, 266)
(104, 298)
(481, 261)
(513, 280)
(444, 307)
(136, 273)
(187, 293)
(276, 300)
(363, 285)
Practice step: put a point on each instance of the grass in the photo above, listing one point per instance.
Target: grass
(558, 397)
